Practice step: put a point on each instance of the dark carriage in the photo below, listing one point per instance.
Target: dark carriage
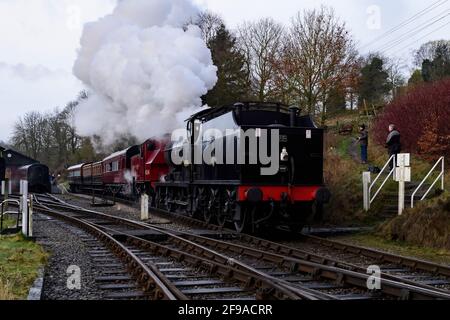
(20, 167)
(36, 174)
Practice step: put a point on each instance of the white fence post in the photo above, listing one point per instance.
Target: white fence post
(402, 175)
(366, 196)
(30, 218)
(25, 218)
(144, 207)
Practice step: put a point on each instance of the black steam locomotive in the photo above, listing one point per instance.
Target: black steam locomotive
(261, 164)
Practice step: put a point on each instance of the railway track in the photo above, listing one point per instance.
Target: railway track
(243, 266)
(343, 255)
(394, 267)
(163, 272)
(397, 268)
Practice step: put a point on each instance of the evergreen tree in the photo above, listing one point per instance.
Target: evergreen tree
(439, 67)
(233, 83)
(336, 99)
(374, 85)
(416, 78)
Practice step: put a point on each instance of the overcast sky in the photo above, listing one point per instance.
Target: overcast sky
(39, 39)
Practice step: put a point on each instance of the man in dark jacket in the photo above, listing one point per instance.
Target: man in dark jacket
(364, 142)
(393, 144)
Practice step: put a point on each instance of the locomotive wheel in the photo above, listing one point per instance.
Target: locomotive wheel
(207, 215)
(190, 211)
(222, 218)
(196, 207)
(245, 215)
(228, 207)
(158, 200)
(171, 207)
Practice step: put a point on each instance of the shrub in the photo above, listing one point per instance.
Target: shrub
(342, 177)
(426, 225)
(423, 118)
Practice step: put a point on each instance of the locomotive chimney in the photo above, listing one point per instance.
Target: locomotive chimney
(294, 111)
(238, 107)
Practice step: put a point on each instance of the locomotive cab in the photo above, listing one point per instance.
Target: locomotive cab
(149, 166)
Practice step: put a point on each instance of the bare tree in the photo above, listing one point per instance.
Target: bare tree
(29, 134)
(395, 68)
(428, 51)
(261, 43)
(48, 137)
(318, 53)
(209, 23)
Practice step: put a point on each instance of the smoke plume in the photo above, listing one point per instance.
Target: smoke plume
(146, 68)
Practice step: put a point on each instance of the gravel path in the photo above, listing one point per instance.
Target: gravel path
(66, 249)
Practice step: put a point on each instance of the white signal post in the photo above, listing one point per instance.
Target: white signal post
(402, 175)
(144, 207)
(366, 196)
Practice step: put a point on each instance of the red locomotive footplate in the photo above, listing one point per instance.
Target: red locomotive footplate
(275, 193)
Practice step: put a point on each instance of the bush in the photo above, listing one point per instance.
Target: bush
(422, 116)
(426, 225)
(342, 177)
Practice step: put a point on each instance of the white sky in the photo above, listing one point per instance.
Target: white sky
(39, 39)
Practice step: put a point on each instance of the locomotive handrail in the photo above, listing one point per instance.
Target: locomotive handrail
(440, 176)
(391, 173)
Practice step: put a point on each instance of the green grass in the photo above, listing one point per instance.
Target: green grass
(20, 260)
(9, 222)
(399, 247)
(343, 147)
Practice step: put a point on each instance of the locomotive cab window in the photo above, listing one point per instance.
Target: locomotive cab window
(151, 146)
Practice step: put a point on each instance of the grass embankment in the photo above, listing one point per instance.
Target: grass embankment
(20, 261)
(428, 225)
(342, 176)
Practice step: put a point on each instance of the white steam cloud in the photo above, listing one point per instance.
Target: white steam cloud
(146, 69)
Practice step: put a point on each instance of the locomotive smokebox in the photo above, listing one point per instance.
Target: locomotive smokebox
(294, 112)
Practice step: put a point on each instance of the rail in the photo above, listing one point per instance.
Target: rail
(206, 249)
(391, 173)
(3, 213)
(440, 176)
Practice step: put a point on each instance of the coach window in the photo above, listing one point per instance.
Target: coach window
(115, 166)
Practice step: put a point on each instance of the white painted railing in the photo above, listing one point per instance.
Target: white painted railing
(441, 177)
(368, 186)
(390, 173)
